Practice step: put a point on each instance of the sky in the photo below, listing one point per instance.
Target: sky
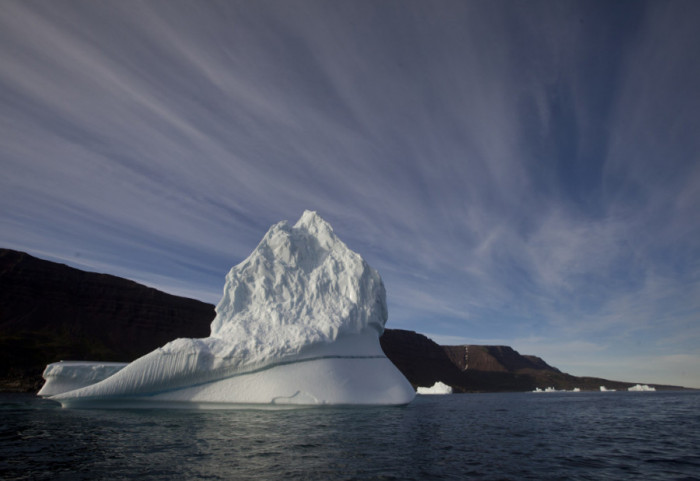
(519, 173)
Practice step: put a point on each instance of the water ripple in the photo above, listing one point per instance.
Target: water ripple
(582, 436)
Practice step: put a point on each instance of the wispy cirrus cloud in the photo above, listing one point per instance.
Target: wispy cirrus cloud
(514, 172)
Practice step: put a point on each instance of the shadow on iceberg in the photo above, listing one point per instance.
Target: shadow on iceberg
(298, 324)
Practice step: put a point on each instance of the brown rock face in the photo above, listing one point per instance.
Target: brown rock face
(465, 368)
(473, 368)
(493, 359)
(421, 360)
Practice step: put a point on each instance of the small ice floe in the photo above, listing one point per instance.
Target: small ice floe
(576, 390)
(437, 388)
(641, 387)
(604, 389)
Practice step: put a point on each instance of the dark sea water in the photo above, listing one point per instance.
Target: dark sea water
(615, 435)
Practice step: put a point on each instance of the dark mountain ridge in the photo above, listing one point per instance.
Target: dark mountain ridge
(477, 368)
(51, 312)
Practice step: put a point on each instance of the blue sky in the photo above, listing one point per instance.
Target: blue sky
(520, 173)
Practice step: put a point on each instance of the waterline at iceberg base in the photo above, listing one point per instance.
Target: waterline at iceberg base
(298, 324)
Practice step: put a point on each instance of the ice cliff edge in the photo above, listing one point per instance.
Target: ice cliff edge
(299, 323)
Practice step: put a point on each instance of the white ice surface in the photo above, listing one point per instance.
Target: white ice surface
(299, 320)
(437, 388)
(66, 376)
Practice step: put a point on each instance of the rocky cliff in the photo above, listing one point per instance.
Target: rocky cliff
(476, 368)
(50, 312)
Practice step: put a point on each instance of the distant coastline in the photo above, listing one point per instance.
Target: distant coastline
(51, 312)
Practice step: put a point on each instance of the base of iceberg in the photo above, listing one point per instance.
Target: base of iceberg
(313, 382)
(351, 371)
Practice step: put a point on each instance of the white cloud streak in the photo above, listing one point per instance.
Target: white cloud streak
(511, 171)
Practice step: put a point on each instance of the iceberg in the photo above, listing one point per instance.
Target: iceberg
(437, 388)
(298, 324)
(641, 388)
(553, 389)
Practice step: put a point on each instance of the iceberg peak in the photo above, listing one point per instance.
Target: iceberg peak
(300, 285)
(313, 223)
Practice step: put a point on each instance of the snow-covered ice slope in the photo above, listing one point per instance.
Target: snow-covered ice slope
(299, 323)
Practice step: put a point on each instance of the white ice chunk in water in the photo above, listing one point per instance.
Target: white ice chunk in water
(641, 387)
(438, 388)
(299, 323)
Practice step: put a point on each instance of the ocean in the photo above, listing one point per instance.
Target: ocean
(513, 436)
